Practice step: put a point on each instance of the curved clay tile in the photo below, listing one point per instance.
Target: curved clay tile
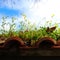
(14, 41)
(55, 47)
(45, 42)
(58, 42)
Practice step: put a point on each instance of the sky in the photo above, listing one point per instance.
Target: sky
(37, 11)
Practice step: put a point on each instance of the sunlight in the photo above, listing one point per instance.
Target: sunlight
(46, 8)
(37, 11)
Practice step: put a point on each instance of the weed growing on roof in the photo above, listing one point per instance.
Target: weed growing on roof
(28, 31)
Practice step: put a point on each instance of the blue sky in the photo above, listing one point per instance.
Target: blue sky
(37, 11)
(9, 12)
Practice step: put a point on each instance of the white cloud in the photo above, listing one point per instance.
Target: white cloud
(37, 10)
(45, 9)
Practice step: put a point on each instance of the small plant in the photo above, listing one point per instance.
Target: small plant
(3, 31)
(29, 32)
(12, 29)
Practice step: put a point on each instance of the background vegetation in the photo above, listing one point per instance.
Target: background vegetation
(27, 31)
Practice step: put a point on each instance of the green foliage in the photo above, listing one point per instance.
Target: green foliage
(3, 31)
(27, 30)
(12, 27)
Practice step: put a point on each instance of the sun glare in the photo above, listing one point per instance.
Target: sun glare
(47, 9)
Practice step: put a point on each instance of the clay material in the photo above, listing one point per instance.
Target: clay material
(14, 41)
(45, 42)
